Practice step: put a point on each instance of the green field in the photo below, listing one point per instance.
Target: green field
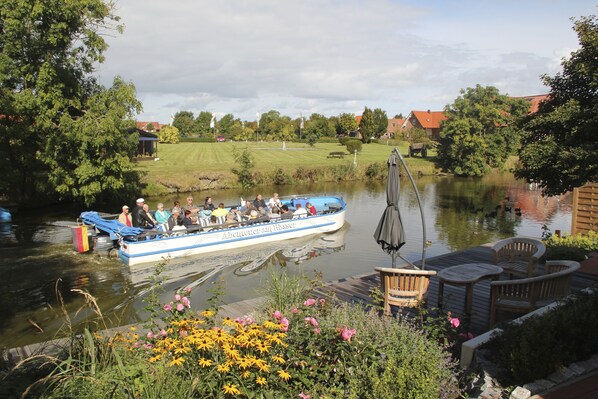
(183, 165)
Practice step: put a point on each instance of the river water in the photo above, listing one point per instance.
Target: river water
(39, 269)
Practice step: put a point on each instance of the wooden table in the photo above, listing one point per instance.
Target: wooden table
(466, 275)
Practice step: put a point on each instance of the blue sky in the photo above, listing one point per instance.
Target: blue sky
(334, 56)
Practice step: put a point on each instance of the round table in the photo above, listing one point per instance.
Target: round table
(466, 275)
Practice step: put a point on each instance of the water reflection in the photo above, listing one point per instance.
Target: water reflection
(37, 252)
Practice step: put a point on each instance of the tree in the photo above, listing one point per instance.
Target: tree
(380, 122)
(367, 126)
(559, 147)
(184, 121)
(346, 124)
(149, 127)
(244, 168)
(480, 131)
(201, 125)
(62, 135)
(169, 134)
(225, 125)
(317, 126)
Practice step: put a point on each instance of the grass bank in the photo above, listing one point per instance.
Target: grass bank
(187, 167)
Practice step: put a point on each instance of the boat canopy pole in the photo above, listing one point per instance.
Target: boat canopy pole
(421, 209)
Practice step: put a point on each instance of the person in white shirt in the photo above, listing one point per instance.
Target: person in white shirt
(300, 211)
(274, 202)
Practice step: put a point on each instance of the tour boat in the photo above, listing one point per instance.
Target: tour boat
(137, 245)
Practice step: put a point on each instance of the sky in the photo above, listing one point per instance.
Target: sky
(247, 57)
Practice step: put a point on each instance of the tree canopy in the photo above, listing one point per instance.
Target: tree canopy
(62, 135)
(480, 131)
(559, 146)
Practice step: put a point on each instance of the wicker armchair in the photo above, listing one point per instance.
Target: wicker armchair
(518, 255)
(404, 287)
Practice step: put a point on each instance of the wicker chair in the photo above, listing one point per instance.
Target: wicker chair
(527, 294)
(404, 287)
(518, 255)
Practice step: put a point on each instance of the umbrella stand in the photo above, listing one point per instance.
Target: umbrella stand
(421, 211)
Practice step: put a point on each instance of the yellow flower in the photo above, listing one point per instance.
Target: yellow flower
(271, 325)
(203, 362)
(260, 381)
(278, 359)
(283, 375)
(182, 350)
(208, 313)
(133, 328)
(262, 347)
(154, 359)
(177, 361)
(231, 389)
(228, 322)
(245, 374)
(223, 368)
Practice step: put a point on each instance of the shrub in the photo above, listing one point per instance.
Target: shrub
(543, 344)
(281, 178)
(353, 145)
(244, 168)
(198, 140)
(573, 247)
(376, 170)
(343, 140)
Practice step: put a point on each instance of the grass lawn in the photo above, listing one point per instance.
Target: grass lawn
(185, 163)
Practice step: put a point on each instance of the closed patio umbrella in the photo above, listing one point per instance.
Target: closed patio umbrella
(390, 234)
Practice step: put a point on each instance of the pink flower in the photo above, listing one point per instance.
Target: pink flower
(277, 315)
(317, 330)
(455, 322)
(177, 297)
(186, 301)
(187, 290)
(168, 307)
(322, 301)
(311, 320)
(240, 320)
(249, 320)
(148, 346)
(136, 345)
(346, 333)
(284, 322)
(309, 302)
(304, 396)
(294, 310)
(163, 332)
(180, 307)
(150, 335)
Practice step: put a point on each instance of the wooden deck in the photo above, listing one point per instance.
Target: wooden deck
(357, 289)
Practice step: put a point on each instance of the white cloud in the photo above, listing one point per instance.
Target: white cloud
(333, 56)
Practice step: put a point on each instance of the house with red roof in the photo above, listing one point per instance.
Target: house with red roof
(394, 124)
(534, 101)
(155, 126)
(428, 120)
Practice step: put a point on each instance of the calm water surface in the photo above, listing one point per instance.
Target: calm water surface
(39, 269)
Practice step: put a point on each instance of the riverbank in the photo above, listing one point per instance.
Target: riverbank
(191, 167)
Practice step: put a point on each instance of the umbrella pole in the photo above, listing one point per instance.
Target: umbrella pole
(421, 209)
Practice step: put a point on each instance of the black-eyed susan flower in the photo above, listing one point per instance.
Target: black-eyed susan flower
(231, 389)
(284, 375)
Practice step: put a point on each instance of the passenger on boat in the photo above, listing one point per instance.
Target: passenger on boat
(233, 215)
(259, 202)
(177, 204)
(204, 213)
(208, 205)
(300, 211)
(311, 210)
(274, 202)
(190, 207)
(285, 213)
(161, 215)
(174, 218)
(125, 217)
(220, 211)
(179, 228)
(246, 210)
(140, 218)
(187, 219)
(147, 211)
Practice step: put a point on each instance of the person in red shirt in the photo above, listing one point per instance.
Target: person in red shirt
(311, 209)
(125, 217)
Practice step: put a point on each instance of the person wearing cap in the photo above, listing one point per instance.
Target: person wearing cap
(140, 218)
(125, 217)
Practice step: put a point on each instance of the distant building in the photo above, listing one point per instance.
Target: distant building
(394, 124)
(154, 127)
(428, 120)
(534, 101)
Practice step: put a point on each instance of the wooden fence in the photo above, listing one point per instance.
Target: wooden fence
(585, 209)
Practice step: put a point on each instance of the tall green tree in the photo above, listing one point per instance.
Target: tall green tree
(185, 122)
(560, 141)
(346, 124)
(201, 125)
(62, 135)
(480, 131)
(225, 125)
(380, 122)
(367, 126)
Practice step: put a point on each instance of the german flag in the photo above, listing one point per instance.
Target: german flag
(80, 240)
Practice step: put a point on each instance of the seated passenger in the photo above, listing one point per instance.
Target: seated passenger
(208, 205)
(204, 213)
(125, 217)
(177, 204)
(285, 213)
(179, 228)
(190, 206)
(246, 210)
(151, 222)
(187, 221)
(311, 210)
(274, 202)
(300, 211)
(233, 215)
(173, 219)
(161, 215)
(259, 202)
(220, 211)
